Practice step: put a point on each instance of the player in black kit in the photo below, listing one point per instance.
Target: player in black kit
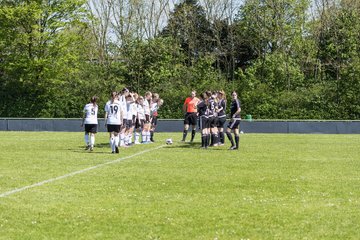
(212, 107)
(204, 120)
(233, 125)
(221, 116)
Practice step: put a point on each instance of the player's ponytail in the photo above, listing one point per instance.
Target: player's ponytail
(93, 100)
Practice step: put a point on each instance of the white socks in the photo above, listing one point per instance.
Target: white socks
(112, 144)
(137, 136)
(92, 140)
(122, 137)
(86, 138)
(145, 136)
(116, 141)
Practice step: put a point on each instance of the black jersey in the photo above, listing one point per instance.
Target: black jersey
(222, 107)
(201, 108)
(212, 107)
(235, 105)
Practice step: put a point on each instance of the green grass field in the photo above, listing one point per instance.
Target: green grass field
(276, 187)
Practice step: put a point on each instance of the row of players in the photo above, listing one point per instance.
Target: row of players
(210, 112)
(125, 113)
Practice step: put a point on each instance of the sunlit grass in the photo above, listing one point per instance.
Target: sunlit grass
(276, 187)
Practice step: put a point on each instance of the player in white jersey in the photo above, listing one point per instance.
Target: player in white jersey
(128, 118)
(90, 121)
(140, 118)
(134, 114)
(122, 98)
(113, 120)
(146, 129)
(154, 107)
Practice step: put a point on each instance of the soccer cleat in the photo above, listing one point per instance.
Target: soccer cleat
(116, 149)
(233, 148)
(87, 147)
(137, 142)
(91, 149)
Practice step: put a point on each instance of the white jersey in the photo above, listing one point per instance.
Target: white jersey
(146, 107)
(154, 108)
(134, 109)
(128, 113)
(122, 100)
(140, 112)
(91, 112)
(114, 112)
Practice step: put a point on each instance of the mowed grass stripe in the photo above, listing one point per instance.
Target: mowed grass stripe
(5, 194)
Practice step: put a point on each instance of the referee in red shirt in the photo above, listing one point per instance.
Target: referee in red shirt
(190, 110)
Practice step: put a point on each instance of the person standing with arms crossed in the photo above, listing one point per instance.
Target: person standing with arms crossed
(190, 110)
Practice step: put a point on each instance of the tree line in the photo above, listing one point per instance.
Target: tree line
(288, 59)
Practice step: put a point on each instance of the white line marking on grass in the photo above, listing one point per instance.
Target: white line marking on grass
(5, 194)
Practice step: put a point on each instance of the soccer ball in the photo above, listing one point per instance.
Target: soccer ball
(169, 141)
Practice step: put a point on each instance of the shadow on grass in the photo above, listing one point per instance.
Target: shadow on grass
(186, 145)
(102, 146)
(193, 145)
(82, 150)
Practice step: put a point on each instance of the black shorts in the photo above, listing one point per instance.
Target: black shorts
(154, 121)
(212, 122)
(234, 123)
(139, 123)
(147, 118)
(113, 128)
(133, 120)
(190, 118)
(221, 122)
(203, 122)
(128, 123)
(91, 128)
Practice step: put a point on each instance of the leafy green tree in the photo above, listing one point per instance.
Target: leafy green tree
(272, 25)
(265, 85)
(34, 53)
(339, 54)
(189, 26)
